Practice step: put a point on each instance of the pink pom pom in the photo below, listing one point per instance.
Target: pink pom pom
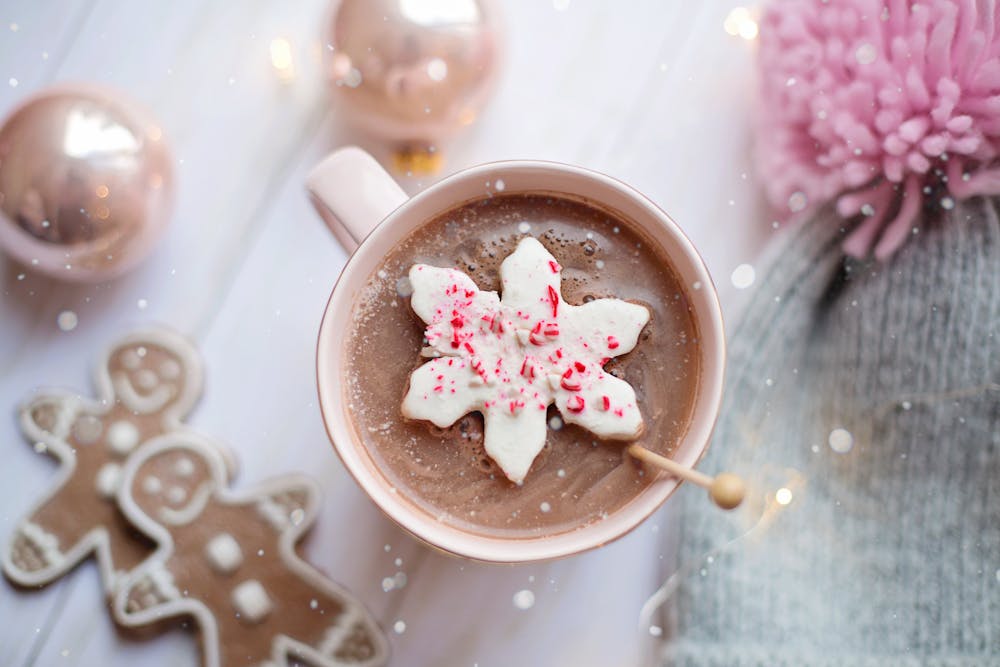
(887, 107)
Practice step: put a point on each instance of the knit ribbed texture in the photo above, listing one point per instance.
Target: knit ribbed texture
(888, 554)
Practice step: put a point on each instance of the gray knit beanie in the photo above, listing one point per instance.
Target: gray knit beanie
(869, 395)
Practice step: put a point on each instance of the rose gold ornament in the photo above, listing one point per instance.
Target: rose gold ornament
(85, 183)
(413, 72)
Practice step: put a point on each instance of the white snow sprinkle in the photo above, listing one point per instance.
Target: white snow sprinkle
(524, 599)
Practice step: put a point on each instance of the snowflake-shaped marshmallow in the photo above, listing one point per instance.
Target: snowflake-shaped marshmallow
(511, 357)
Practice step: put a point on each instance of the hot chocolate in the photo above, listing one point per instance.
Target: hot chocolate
(577, 477)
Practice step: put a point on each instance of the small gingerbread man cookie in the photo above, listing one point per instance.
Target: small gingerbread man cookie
(228, 560)
(147, 383)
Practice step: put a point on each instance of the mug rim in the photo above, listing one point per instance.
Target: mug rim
(465, 543)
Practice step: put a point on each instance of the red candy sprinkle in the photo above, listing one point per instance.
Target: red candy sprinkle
(554, 266)
(580, 367)
(554, 300)
(568, 382)
(575, 403)
(619, 412)
(612, 343)
(607, 402)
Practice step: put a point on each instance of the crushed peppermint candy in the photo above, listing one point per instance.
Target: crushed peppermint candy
(511, 357)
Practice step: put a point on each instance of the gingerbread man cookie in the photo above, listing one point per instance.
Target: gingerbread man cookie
(147, 383)
(228, 559)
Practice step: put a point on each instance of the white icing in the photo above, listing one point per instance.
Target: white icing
(162, 581)
(146, 379)
(170, 369)
(251, 601)
(66, 409)
(223, 553)
(335, 635)
(45, 542)
(176, 495)
(154, 401)
(87, 429)
(273, 513)
(186, 514)
(184, 467)
(511, 358)
(152, 485)
(108, 477)
(123, 436)
(131, 360)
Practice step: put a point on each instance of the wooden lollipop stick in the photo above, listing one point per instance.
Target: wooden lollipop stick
(726, 489)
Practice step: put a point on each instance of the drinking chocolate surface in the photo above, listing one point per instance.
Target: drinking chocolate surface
(577, 478)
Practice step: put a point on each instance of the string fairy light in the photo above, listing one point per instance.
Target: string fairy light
(740, 22)
(771, 506)
(281, 58)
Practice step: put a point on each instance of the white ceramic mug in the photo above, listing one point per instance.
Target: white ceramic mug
(368, 211)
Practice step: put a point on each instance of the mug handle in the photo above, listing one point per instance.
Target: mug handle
(352, 193)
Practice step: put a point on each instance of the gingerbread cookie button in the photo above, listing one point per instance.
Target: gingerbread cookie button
(228, 560)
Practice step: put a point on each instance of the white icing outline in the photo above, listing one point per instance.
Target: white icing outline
(47, 543)
(271, 512)
(96, 540)
(142, 404)
(162, 580)
(189, 512)
(282, 645)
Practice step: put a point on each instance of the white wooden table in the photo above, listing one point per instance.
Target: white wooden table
(652, 92)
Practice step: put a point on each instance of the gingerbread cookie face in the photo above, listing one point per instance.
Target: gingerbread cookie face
(228, 560)
(147, 383)
(151, 378)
